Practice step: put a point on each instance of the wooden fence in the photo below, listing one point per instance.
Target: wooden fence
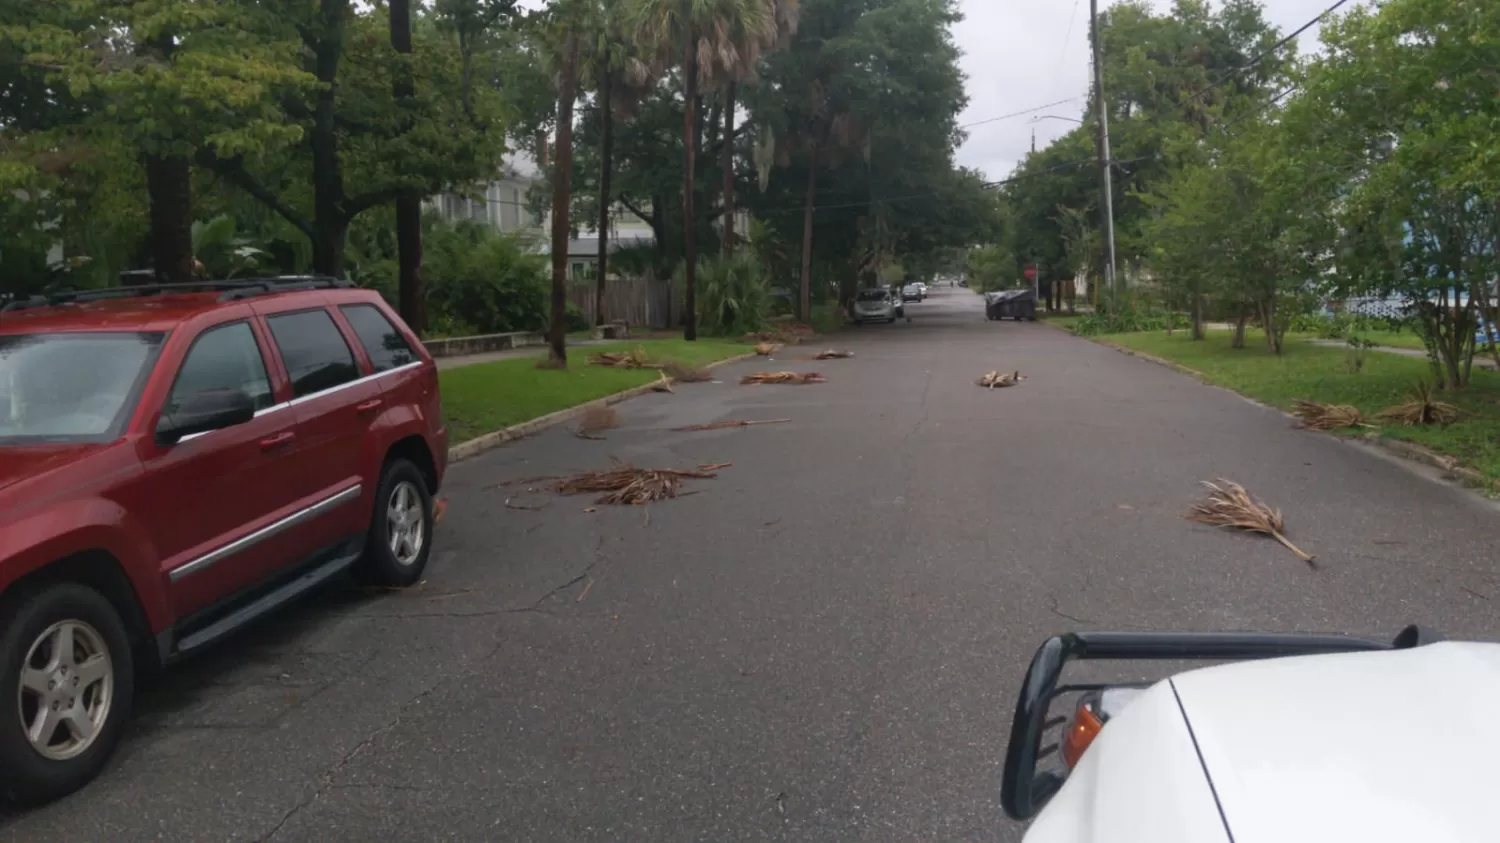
(644, 303)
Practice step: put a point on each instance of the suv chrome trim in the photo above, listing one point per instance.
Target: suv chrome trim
(306, 398)
(246, 542)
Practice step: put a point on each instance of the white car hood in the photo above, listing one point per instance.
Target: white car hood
(1375, 747)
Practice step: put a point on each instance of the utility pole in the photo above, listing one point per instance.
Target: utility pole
(1104, 162)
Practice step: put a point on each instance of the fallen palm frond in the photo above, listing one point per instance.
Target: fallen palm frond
(1229, 505)
(1315, 416)
(595, 419)
(661, 384)
(766, 349)
(831, 354)
(686, 373)
(1422, 409)
(636, 358)
(724, 425)
(995, 380)
(627, 485)
(783, 377)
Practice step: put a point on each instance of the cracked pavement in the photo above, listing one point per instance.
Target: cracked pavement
(824, 644)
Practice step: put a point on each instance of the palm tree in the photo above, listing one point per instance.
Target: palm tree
(562, 197)
(784, 14)
(620, 78)
(409, 203)
(710, 39)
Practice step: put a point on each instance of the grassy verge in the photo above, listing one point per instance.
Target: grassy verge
(1389, 339)
(1320, 373)
(484, 397)
(1062, 320)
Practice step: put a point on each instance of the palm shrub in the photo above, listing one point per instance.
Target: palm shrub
(734, 294)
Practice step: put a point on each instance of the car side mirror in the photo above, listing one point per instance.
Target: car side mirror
(210, 409)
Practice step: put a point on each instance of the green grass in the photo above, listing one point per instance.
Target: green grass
(485, 397)
(1321, 373)
(1390, 339)
(1062, 320)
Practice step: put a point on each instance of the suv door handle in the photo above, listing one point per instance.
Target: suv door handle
(368, 406)
(277, 441)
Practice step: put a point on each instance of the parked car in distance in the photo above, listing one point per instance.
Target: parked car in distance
(177, 461)
(875, 305)
(913, 292)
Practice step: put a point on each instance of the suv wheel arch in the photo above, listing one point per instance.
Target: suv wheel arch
(100, 570)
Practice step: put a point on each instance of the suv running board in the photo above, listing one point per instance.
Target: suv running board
(265, 604)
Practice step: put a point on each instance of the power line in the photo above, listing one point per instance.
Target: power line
(1020, 113)
(1062, 51)
(1266, 52)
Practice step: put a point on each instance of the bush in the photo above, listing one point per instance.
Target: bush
(734, 294)
(483, 281)
(1126, 321)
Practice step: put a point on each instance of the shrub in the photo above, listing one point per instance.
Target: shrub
(483, 280)
(734, 295)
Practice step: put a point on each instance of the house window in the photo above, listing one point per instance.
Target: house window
(511, 209)
(580, 270)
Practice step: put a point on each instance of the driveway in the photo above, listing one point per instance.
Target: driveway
(823, 644)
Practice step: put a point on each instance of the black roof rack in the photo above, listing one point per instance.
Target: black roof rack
(240, 288)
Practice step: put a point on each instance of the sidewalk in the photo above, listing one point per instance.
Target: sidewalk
(1480, 361)
(444, 363)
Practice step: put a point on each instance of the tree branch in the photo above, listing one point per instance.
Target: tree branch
(233, 169)
(632, 208)
(365, 201)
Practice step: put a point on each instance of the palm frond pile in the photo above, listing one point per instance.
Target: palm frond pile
(636, 358)
(1422, 409)
(1315, 416)
(766, 349)
(1230, 506)
(997, 380)
(832, 354)
(686, 373)
(783, 377)
(595, 419)
(630, 486)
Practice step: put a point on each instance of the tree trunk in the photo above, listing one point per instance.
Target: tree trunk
(1240, 319)
(329, 220)
(804, 302)
(689, 142)
(409, 203)
(1198, 333)
(562, 177)
(729, 103)
(606, 167)
(170, 188)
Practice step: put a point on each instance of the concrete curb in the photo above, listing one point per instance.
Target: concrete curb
(490, 441)
(1406, 450)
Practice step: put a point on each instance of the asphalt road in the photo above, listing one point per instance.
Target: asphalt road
(824, 644)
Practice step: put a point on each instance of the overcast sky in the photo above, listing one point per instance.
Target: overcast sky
(1019, 54)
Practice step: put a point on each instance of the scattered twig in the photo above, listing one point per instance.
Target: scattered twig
(521, 506)
(626, 484)
(713, 466)
(831, 354)
(662, 385)
(727, 424)
(582, 594)
(1229, 505)
(783, 377)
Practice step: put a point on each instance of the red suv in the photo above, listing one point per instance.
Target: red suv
(175, 462)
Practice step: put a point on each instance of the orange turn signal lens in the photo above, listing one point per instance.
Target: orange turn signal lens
(1081, 732)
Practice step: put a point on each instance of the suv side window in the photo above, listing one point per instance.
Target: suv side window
(223, 357)
(314, 351)
(386, 346)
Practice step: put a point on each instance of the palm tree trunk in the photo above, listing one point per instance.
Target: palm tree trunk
(409, 203)
(562, 179)
(804, 305)
(169, 188)
(689, 142)
(606, 165)
(729, 96)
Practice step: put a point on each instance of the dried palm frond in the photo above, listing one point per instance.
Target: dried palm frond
(636, 358)
(662, 384)
(1317, 416)
(831, 354)
(1422, 409)
(626, 484)
(685, 373)
(783, 377)
(724, 425)
(1229, 505)
(994, 380)
(766, 349)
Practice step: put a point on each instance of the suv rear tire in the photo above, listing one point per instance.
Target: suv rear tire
(70, 637)
(400, 537)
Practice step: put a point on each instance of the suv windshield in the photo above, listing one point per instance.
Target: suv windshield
(70, 387)
(872, 295)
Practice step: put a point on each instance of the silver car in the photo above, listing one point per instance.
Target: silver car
(874, 306)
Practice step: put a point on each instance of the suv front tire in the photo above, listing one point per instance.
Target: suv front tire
(400, 537)
(67, 678)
